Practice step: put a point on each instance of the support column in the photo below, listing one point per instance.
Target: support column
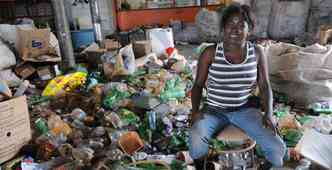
(63, 34)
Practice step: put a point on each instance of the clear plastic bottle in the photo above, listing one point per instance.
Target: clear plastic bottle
(78, 114)
(98, 131)
(58, 126)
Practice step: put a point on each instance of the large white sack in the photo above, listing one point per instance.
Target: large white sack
(7, 58)
(8, 32)
(10, 78)
(304, 74)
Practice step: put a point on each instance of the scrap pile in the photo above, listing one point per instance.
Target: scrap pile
(125, 113)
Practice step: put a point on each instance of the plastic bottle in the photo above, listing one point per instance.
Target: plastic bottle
(84, 154)
(304, 165)
(78, 114)
(174, 93)
(169, 126)
(96, 143)
(58, 126)
(22, 88)
(321, 107)
(78, 124)
(98, 131)
(41, 126)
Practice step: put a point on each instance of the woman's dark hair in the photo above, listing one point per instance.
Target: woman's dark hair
(236, 8)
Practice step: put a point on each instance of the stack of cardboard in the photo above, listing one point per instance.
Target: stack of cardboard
(15, 129)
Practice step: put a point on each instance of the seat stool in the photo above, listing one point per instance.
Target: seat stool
(236, 159)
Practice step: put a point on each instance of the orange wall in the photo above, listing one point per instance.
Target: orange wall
(127, 20)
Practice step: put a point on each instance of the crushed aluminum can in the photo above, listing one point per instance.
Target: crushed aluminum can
(114, 119)
(139, 156)
(114, 154)
(152, 120)
(169, 126)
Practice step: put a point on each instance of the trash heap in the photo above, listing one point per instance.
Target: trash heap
(127, 114)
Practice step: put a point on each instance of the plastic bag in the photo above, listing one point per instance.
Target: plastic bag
(303, 74)
(125, 61)
(10, 78)
(7, 57)
(316, 147)
(322, 124)
(62, 84)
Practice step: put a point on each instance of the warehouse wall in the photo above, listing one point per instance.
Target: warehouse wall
(321, 13)
(82, 12)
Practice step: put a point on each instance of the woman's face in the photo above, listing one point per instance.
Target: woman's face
(236, 30)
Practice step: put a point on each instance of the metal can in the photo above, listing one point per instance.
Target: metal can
(152, 120)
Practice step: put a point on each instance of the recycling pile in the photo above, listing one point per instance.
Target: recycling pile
(128, 120)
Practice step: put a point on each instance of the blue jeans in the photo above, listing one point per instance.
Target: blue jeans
(247, 119)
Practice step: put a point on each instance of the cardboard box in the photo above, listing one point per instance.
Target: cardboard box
(25, 70)
(94, 57)
(142, 48)
(44, 73)
(32, 43)
(130, 142)
(15, 129)
(111, 44)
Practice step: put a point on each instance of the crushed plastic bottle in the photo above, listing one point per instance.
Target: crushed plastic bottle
(78, 114)
(321, 107)
(41, 126)
(98, 131)
(58, 126)
(84, 154)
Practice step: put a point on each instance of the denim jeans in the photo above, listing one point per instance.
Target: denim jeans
(249, 120)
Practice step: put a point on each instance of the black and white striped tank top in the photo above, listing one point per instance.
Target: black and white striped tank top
(229, 85)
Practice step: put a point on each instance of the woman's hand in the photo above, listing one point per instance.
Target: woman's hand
(269, 122)
(195, 116)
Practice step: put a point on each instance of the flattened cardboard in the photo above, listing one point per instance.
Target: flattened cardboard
(15, 129)
(25, 70)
